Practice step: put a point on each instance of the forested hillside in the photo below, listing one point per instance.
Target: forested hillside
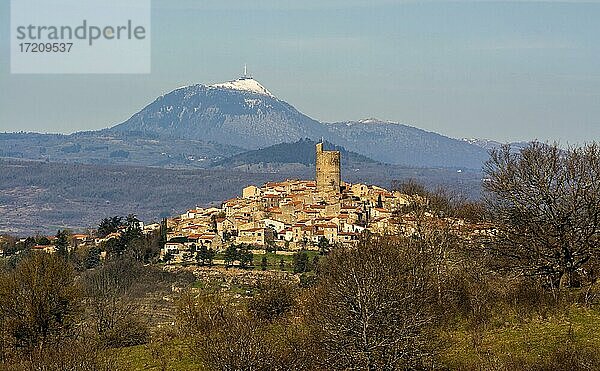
(44, 196)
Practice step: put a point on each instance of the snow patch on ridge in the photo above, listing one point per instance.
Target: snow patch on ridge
(244, 84)
(368, 121)
(373, 120)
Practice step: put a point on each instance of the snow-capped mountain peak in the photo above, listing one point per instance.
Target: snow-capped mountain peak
(244, 84)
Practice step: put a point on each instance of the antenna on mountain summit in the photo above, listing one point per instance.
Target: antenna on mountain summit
(246, 72)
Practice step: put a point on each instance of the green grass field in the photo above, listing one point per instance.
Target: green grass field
(167, 355)
(523, 342)
(501, 347)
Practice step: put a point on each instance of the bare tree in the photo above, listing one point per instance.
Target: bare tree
(546, 202)
(223, 335)
(111, 309)
(274, 299)
(81, 354)
(373, 305)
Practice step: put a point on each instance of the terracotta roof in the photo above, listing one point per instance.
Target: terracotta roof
(271, 196)
(251, 230)
(208, 236)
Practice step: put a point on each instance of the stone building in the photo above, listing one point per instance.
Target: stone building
(328, 170)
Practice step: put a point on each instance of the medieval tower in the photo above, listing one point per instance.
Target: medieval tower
(328, 169)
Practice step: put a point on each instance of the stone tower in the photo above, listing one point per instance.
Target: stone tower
(329, 176)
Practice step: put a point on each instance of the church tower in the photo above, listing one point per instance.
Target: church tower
(328, 175)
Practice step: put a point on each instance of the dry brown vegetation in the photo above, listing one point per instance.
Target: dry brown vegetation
(435, 299)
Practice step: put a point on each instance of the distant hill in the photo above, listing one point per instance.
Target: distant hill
(198, 126)
(489, 144)
(41, 197)
(127, 148)
(300, 152)
(395, 143)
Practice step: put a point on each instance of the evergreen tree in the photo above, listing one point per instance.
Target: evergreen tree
(62, 243)
(44, 241)
(163, 232)
(109, 225)
(263, 263)
(92, 259)
(323, 245)
(167, 257)
(231, 255)
(210, 256)
(300, 262)
(29, 243)
(245, 256)
(132, 238)
(202, 256)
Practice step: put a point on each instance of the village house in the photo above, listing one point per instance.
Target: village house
(255, 236)
(294, 213)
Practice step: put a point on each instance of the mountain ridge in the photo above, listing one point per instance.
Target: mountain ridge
(243, 113)
(198, 125)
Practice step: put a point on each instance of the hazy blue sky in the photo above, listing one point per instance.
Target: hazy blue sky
(506, 70)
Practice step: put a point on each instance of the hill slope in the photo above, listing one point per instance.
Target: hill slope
(45, 196)
(126, 148)
(406, 145)
(300, 152)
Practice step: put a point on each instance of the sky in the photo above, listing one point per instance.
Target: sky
(502, 70)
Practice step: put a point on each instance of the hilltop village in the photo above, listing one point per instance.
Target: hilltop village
(290, 215)
(282, 217)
